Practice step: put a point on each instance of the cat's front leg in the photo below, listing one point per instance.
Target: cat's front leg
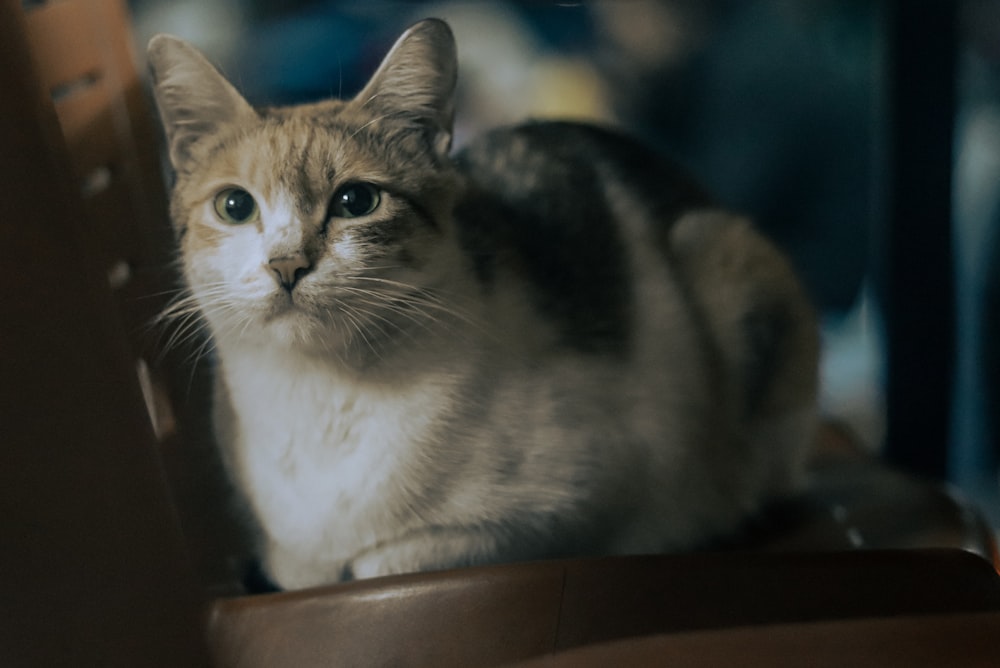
(428, 550)
(289, 569)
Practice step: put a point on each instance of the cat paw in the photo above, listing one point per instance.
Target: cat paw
(372, 565)
(430, 550)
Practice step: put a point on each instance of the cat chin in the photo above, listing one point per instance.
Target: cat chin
(299, 331)
(287, 328)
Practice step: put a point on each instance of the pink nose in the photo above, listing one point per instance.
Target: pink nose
(288, 269)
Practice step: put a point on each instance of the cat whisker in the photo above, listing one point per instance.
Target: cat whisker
(187, 330)
(371, 122)
(158, 294)
(394, 304)
(404, 317)
(206, 348)
(427, 294)
(374, 318)
(183, 321)
(422, 299)
(357, 328)
(178, 328)
(408, 289)
(370, 99)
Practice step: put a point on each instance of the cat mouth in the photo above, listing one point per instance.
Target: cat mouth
(283, 305)
(298, 308)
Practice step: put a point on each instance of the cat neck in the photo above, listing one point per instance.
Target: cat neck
(316, 393)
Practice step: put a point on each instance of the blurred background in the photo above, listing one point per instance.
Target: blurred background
(786, 110)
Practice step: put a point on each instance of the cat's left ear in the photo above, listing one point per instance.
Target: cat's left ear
(193, 98)
(416, 81)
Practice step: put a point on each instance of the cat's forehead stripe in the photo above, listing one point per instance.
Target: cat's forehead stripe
(278, 158)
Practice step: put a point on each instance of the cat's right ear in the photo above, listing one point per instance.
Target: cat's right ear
(193, 98)
(416, 81)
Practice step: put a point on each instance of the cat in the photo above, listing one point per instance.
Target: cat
(549, 343)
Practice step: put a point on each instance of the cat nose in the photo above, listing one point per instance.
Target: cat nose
(288, 269)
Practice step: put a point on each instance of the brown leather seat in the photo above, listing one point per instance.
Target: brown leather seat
(497, 615)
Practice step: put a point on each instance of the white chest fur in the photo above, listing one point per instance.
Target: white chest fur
(320, 455)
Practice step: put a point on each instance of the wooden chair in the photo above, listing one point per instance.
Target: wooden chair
(107, 564)
(95, 566)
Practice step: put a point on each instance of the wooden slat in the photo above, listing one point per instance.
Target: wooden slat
(122, 137)
(104, 116)
(63, 47)
(88, 124)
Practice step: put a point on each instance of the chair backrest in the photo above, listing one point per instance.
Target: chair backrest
(96, 569)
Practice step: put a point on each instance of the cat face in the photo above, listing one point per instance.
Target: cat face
(310, 225)
(297, 229)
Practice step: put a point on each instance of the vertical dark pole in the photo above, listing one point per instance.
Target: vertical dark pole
(918, 283)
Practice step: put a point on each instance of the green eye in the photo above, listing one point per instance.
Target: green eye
(354, 200)
(236, 206)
